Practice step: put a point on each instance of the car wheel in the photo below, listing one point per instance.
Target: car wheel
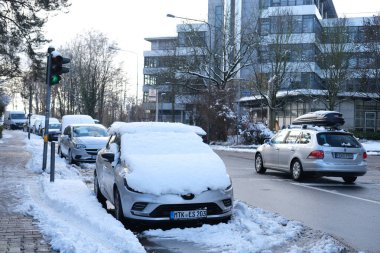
(60, 152)
(349, 180)
(119, 215)
(259, 165)
(70, 157)
(102, 200)
(296, 170)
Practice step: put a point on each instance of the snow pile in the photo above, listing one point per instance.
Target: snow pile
(250, 230)
(69, 215)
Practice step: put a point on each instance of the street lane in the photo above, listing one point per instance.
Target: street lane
(349, 212)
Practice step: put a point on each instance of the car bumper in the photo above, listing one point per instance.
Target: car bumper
(82, 155)
(158, 208)
(319, 167)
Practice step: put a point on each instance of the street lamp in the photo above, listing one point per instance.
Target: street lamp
(209, 63)
(137, 67)
(157, 103)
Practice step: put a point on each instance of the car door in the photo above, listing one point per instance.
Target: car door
(287, 149)
(270, 150)
(107, 176)
(65, 141)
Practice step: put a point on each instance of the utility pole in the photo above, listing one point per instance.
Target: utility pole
(47, 109)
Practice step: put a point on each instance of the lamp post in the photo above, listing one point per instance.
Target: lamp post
(209, 63)
(137, 68)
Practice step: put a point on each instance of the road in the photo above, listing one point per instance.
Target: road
(351, 213)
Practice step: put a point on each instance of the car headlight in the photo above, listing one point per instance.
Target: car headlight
(129, 188)
(78, 146)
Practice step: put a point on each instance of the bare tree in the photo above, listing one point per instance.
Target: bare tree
(94, 78)
(277, 60)
(334, 61)
(369, 63)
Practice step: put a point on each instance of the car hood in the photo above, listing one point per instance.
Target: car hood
(91, 142)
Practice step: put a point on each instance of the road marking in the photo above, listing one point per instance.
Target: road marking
(337, 193)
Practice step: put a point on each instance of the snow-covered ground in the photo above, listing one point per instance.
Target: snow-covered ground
(73, 221)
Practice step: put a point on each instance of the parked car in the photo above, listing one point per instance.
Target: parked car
(54, 129)
(81, 142)
(318, 151)
(14, 119)
(30, 123)
(162, 172)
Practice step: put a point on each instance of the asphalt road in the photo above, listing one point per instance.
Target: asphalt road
(349, 212)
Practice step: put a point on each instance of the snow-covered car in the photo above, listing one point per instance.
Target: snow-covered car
(81, 142)
(162, 172)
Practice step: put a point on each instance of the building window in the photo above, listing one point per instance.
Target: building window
(264, 26)
(297, 24)
(150, 80)
(275, 3)
(308, 24)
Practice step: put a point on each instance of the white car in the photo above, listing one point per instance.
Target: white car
(81, 142)
(162, 172)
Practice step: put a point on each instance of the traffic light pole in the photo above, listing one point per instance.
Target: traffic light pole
(47, 110)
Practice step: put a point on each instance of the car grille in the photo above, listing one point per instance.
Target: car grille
(92, 151)
(164, 210)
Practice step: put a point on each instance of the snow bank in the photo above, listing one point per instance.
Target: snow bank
(69, 215)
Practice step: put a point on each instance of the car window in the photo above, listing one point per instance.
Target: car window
(89, 131)
(280, 137)
(67, 131)
(304, 138)
(337, 140)
(293, 136)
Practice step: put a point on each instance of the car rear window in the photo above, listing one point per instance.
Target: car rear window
(337, 140)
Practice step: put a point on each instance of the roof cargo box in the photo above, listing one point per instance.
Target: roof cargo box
(321, 118)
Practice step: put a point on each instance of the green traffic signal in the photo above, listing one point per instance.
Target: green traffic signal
(55, 79)
(56, 68)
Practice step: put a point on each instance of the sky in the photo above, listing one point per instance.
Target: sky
(69, 214)
(128, 22)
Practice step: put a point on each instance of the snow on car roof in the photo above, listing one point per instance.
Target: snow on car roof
(168, 158)
(76, 119)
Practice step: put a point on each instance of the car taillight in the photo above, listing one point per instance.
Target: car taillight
(316, 154)
(365, 155)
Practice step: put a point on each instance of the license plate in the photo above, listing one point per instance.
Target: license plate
(344, 155)
(188, 215)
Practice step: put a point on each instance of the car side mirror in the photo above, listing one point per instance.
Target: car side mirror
(267, 141)
(109, 157)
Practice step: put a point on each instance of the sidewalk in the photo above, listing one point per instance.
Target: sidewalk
(18, 233)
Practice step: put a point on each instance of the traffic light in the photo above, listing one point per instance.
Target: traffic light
(56, 68)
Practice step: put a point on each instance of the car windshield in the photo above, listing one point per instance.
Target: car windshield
(90, 131)
(337, 140)
(18, 116)
(54, 126)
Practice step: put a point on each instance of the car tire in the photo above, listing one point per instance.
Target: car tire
(60, 152)
(119, 215)
(349, 179)
(70, 157)
(100, 197)
(296, 170)
(259, 165)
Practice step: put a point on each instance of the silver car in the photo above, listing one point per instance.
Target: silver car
(151, 178)
(81, 142)
(315, 151)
